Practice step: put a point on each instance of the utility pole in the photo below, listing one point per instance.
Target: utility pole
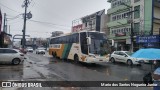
(4, 29)
(131, 22)
(4, 23)
(9, 29)
(26, 2)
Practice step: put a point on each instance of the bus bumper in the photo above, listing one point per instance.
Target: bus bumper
(97, 59)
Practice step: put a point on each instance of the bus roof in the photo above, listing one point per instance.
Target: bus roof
(76, 32)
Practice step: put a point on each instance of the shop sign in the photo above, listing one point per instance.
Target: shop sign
(148, 39)
(151, 45)
(128, 41)
(120, 34)
(77, 28)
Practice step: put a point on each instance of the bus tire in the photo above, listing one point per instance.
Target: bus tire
(76, 58)
(53, 54)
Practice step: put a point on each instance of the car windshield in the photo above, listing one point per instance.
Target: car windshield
(129, 53)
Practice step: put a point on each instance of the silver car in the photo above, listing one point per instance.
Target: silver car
(40, 50)
(12, 56)
(29, 49)
(124, 56)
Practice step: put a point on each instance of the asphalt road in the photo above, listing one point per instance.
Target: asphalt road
(45, 68)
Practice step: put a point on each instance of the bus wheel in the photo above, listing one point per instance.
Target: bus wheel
(76, 58)
(53, 54)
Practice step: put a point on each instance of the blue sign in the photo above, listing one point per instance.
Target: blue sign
(148, 39)
(151, 44)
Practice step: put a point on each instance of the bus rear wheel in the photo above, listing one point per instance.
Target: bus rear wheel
(54, 54)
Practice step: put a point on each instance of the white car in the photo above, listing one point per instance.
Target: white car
(29, 49)
(124, 56)
(40, 51)
(13, 56)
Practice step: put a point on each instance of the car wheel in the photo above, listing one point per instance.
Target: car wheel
(16, 61)
(112, 60)
(129, 62)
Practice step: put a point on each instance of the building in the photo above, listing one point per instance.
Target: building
(56, 33)
(128, 19)
(5, 40)
(92, 22)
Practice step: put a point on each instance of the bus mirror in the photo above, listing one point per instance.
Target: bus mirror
(88, 40)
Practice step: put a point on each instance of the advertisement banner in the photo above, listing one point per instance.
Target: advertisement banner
(148, 39)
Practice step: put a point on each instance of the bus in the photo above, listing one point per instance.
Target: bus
(83, 46)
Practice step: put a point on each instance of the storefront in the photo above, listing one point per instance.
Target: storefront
(5, 40)
(121, 45)
(122, 41)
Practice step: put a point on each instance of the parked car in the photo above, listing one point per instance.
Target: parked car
(40, 50)
(13, 56)
(29, 49)
(125, 57)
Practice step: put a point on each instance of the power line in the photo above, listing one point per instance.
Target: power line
(14, 17)
(31, 31)
(15, 22)
(9, 8)
(48, 23)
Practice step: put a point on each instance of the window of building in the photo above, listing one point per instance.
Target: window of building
(93, 22)
(136, 27)
(86, 24)
(114, 18)
(129, 29)
(137, 12)
(118, 2)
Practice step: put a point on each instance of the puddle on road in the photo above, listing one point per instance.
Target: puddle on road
(11, 72)
(30, 74)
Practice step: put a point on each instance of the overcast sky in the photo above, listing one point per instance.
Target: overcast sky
(60, 13)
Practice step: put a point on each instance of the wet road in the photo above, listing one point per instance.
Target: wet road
(45, 68)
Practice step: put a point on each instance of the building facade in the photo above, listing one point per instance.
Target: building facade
(92, 22)
(128, 19)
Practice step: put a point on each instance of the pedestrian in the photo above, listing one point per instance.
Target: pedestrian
(156, 76)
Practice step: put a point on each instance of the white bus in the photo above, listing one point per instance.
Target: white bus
(84, 46)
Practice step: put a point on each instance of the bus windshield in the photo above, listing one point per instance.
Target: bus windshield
(98, 43)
